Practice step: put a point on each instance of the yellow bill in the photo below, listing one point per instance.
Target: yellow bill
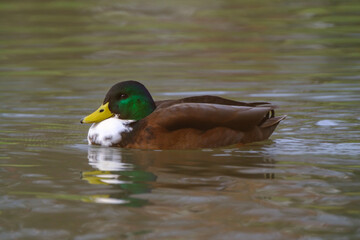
(102, 113)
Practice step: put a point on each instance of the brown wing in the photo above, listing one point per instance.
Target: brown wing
(206, 116)
(208, 99)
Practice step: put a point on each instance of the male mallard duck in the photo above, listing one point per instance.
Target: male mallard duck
(130, 118)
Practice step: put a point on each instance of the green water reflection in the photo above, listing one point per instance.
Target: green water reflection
(125, 177)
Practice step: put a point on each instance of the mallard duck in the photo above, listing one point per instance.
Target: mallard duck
(130, 118)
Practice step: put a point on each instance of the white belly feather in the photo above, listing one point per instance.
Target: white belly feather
(108, 132)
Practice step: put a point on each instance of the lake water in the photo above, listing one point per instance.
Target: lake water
(59, 58)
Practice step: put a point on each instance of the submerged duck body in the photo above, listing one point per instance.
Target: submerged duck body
(129, 118)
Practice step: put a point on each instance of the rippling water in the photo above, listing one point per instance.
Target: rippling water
(58, 59)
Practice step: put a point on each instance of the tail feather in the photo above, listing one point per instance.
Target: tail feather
(272, 121)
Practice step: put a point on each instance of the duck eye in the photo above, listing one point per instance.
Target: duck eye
(123, 96)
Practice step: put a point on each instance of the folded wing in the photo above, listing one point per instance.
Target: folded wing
(205, 116)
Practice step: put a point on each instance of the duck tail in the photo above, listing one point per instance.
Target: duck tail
(271, 120)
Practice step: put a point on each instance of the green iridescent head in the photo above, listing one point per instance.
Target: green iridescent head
(128, 100)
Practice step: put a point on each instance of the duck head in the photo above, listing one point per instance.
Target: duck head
(128, 100)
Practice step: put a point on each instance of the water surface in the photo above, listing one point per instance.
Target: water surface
(58, 59)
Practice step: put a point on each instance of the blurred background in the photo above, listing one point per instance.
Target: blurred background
(59, 58)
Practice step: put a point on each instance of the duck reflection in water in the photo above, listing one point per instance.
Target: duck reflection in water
(126, 177)
(107, 159)
(209, 169)
(141, 171)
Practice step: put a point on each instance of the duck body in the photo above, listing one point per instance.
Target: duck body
(188, 123)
